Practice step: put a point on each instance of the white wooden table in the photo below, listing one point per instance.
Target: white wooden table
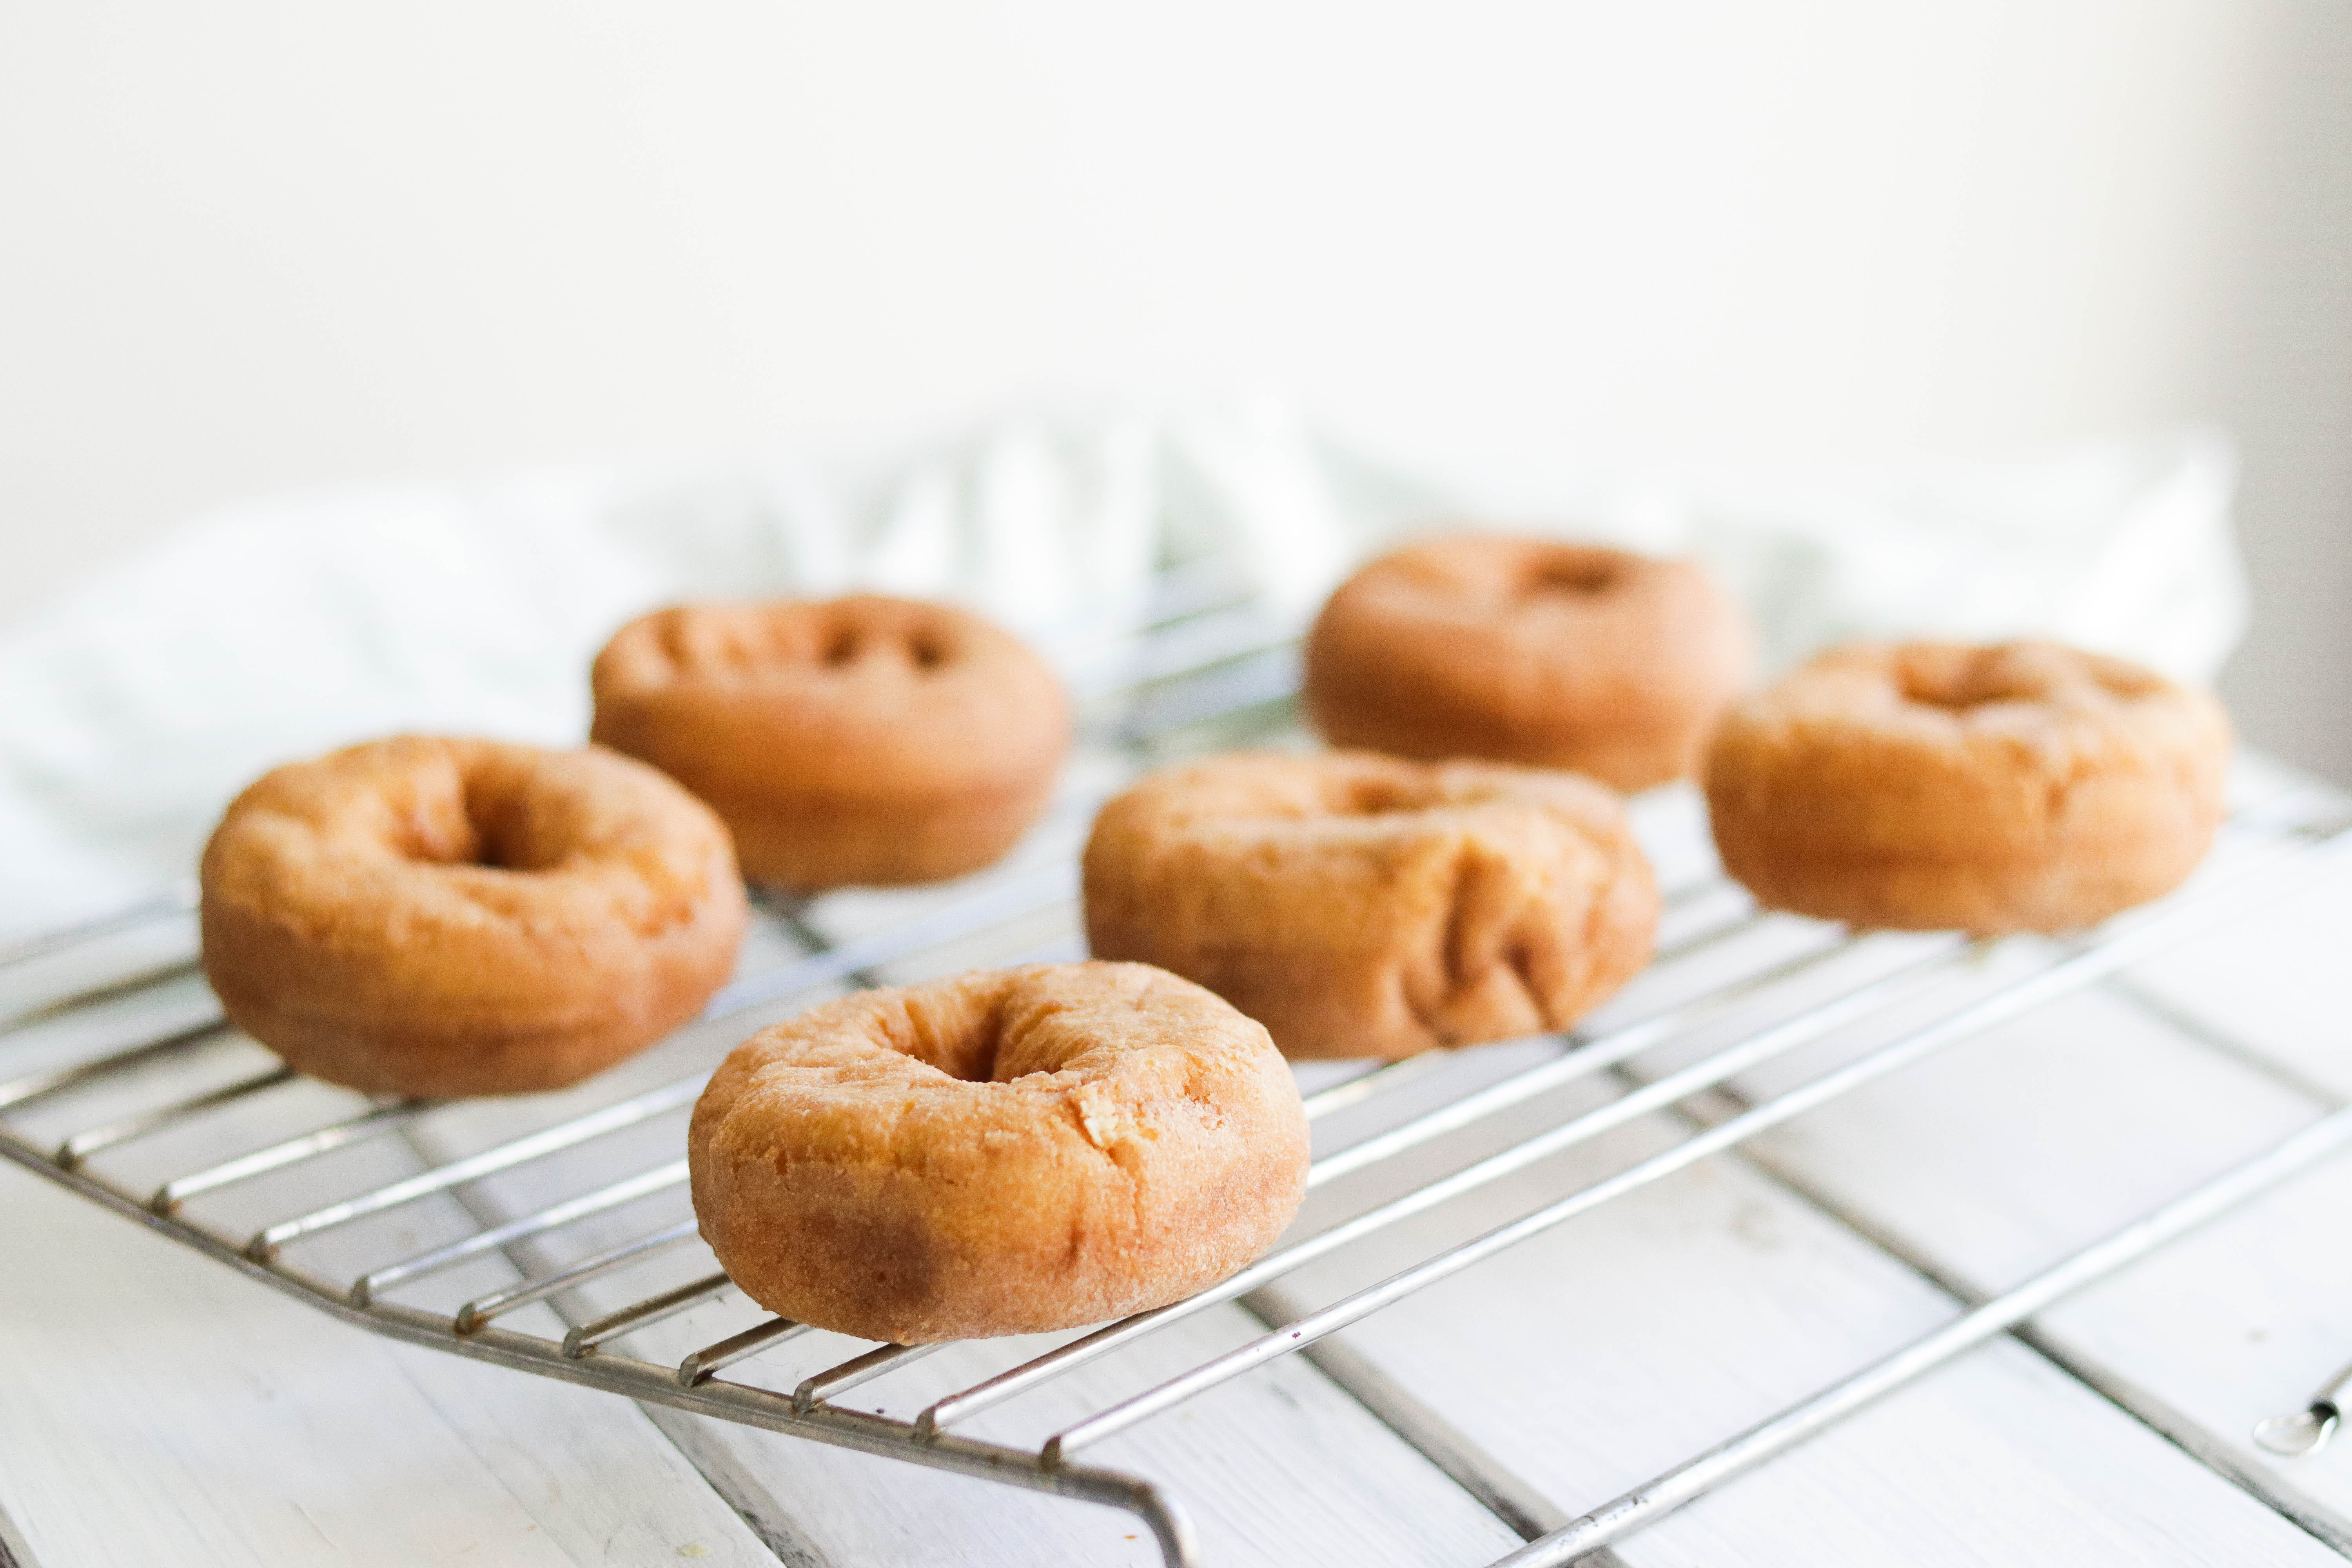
(157, 1409)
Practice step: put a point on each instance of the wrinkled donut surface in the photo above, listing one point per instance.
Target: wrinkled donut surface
(435, 917)
(1527, 650)
(1928, 786)
(1003, 1152)
(1363, 906)
(862, 741)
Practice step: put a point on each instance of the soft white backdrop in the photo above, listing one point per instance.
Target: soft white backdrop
(248, 247)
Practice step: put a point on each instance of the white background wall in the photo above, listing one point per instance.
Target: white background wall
(249, 247)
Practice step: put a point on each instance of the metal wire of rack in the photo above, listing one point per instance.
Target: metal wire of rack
(434, 1250)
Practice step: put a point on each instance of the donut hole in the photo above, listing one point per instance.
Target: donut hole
(842, 645)
(2119, 679)
(1378, 796)
(1962, 685)
(1576, 575)
(1934, 694)
(725, 645)
(968, 1056)
(484, 824)
(673, 640)
(979, 1038)
(926, 650)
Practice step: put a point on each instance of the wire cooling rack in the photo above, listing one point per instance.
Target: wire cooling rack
(550, 1234)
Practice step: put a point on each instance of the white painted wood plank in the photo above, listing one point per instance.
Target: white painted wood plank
(312, 1407)
(1999, 1458)
(14, 1549)
(2239, 1321)
(1605, 1352)
(2278, 985)
(158, 1408)
(1711, 1275)
(607, 1484)
(2001, 1155)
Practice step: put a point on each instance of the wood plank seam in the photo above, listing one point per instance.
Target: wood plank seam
(1511, 1499)
(13, 1552)
(759, 1510)
(2180, 1021)
(1470, 1465)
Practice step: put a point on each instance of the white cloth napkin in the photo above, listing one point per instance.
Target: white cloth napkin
(132, 709)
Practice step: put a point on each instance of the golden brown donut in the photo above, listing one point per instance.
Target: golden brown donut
(2028, 786)
(1360, 906)
(433, 917)
(865, 740)
(1523, 651)
(1001, 1153)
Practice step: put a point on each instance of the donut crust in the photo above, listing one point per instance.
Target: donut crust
(2024, 786)
(1524, 650)
(1362, 906)
(1005, 1151)
(865, 740)
(435, 918)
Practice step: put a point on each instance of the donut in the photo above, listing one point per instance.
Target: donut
(1362, 906)
(865, 740)
(432, 917)
(1930, 786)
(1000, 1152)
(1523, 651)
